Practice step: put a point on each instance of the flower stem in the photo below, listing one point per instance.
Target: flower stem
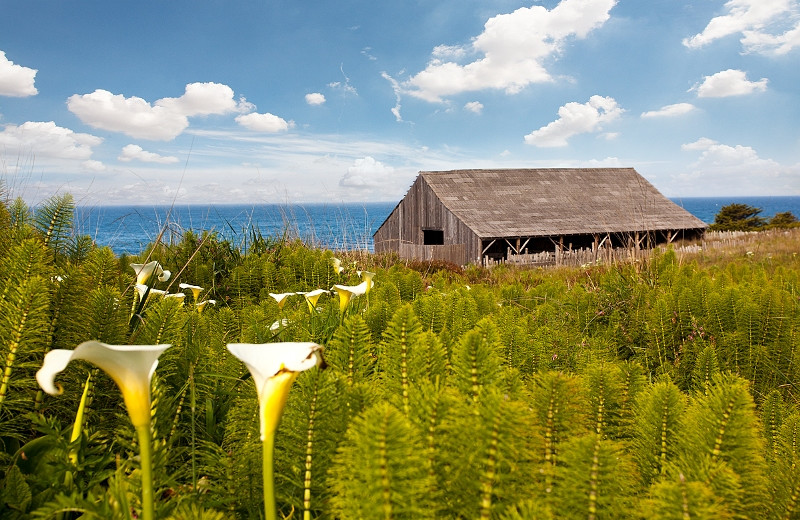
(268, 445)
(145, 456)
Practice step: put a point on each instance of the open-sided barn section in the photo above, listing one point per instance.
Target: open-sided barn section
(473, 216)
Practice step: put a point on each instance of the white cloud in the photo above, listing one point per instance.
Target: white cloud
(201, 99)
(315, 99)
(366, 173)
(397, 91)
(93, 166)
(133, 152)
(164, 120)
(131, 116)
(16, 80)
(575, 118)
(727, 83)
(737, 169)
(766, 26)
(511, 50)
(45, 139)
(269, 123)
(678, 109)
(474, 106)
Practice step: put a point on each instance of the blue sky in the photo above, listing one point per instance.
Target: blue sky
(273, 101)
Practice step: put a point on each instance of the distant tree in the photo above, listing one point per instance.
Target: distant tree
(783, 220)
(737, 217)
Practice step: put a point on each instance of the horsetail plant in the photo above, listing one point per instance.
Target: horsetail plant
(274, 367)
(131, 367)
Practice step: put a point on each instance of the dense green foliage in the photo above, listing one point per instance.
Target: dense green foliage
(743, 217)
(665, 389)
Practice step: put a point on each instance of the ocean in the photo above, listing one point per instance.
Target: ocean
(346, 226)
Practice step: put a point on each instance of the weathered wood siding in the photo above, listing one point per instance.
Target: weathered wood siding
(421, 209)
(453, 253)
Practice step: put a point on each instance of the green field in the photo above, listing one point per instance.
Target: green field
(665, 388)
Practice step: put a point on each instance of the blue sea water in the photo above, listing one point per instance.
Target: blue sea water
(128, 229)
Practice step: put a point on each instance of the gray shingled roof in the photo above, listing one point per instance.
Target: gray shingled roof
(557, 201)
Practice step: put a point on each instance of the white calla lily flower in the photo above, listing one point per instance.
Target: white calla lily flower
(202, 305)
(164, 276)
(367, 276)
(281, 298)
(196, 289)
(274, 367)
(142, 290)
(181, 296)
(312, 297)
(346, 292)
(130, 366)
(145, 271)
(337, 265)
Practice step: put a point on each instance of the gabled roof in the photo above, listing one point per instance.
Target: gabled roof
(556, 201)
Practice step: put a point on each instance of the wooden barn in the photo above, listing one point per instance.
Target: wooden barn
(482, 216)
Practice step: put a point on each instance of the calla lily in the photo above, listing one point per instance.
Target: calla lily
(337, 265)
(196, 289)
(131, 367)
(274, 367)
(346, 292)
(164, 276)
(281, 298)
(179, 296)
(145, 271)
(279, 324)
(367, 277)
(202, 305)
(312, 297)
(142, 290)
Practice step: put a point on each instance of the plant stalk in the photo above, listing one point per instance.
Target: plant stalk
(145, 456)
(268, 447)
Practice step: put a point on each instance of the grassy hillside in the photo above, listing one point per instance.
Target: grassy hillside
(664, 388)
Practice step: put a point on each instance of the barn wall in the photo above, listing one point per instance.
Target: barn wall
(421, 209)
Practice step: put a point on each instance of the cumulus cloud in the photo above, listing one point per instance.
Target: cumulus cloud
(93, 166)
(366, 173)
(133, 152)
(678, 109)
(576, 118)
(474, 106)
(510, 52)
(269, 123)
(46, 139)
(727, 83)
(201, 99)
(738, 168)
(164, 120)
(16, 80)
(771, 27)
(315, 99)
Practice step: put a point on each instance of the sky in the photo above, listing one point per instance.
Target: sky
(272, 101)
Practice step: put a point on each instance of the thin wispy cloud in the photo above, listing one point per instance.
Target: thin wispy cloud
(678, 109)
